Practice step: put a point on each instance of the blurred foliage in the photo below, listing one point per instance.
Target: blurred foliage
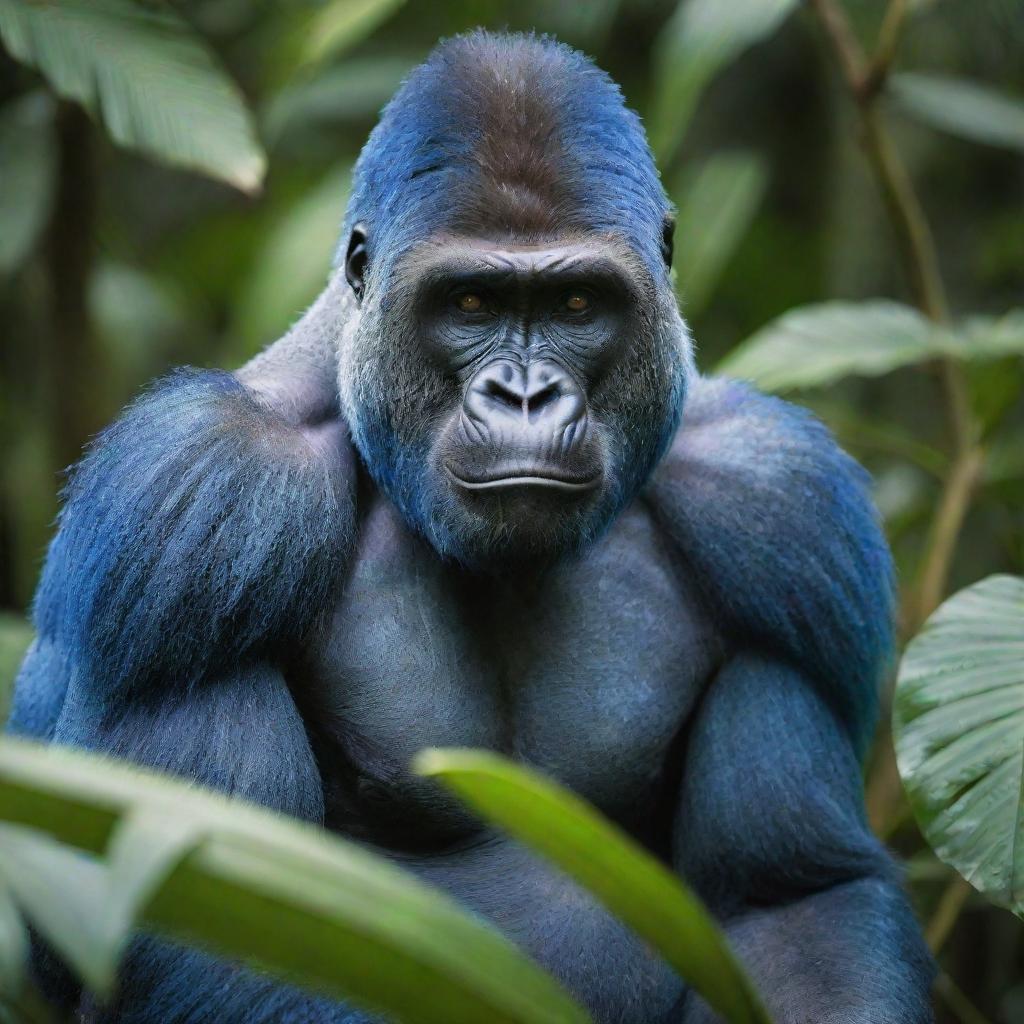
(851, 232)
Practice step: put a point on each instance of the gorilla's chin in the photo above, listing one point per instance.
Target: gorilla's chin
(492, 524)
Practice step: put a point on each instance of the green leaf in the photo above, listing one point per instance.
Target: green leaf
(960, 107)
(634, 885)
(294, 262)
(989, 337)
(958, 724)
(62, 893)
(698, 39)
(341, 24)
(26, 141)
(145, 75)
(13, 945)
(299, 902)
(820, 344)
(714, 211)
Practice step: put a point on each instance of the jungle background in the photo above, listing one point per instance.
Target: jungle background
(859, 165)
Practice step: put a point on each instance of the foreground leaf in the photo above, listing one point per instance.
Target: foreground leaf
(714, 212)
(145, 75)
(958, 723)
(633, 885)
(297, 901)
(29, 162)
(698, 39)
(961, 107)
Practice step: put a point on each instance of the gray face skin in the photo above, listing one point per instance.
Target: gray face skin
(527, 389)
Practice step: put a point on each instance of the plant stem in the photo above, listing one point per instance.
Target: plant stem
(69, 254)
(865, 81)
(950, 904)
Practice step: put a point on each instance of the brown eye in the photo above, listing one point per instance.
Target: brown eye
(577, 303)
(470, 303)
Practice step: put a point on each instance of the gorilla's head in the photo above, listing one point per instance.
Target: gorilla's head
(518, 363)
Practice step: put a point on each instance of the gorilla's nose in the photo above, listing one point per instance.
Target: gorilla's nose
(539, 393)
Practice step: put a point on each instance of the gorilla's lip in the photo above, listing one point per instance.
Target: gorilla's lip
(530, 476)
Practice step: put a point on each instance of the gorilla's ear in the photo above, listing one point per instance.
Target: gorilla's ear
(668, 234)
(355, 260)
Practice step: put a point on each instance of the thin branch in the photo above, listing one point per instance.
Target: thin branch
(946, 913)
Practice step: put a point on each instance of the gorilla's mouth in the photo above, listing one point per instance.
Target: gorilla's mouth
(527, 476)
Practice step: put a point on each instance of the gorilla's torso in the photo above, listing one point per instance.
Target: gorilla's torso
(586, 669)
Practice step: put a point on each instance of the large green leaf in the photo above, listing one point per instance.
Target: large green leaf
(29, 164)
(293, 263)
(958, 723)
(820, 344)
(634, 885)
(301, 903)
(961, 107)
(714, 210)
(701, 37)
(146, 75)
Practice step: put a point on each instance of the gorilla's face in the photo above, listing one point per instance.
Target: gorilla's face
(512, 398)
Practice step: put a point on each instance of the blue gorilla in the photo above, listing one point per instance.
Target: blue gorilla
(479, 496)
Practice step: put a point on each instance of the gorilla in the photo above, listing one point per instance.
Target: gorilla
(479, 496)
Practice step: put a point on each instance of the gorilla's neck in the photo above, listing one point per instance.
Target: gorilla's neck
(297, 376)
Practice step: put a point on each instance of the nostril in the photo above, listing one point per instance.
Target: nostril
(506, 396)
(545, 396)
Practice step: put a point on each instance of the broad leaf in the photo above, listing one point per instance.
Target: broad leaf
(958, 724)
(145, 75)
(634, 885)
(700, 38)
(988, 337)
(341, 24)
(301, 903)
(820, 344)
(715, 209)
(294, 262)
(29, 165)
(968, 109)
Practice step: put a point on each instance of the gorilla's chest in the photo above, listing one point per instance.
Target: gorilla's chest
(587, 670)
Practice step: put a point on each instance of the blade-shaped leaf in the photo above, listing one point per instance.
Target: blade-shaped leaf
(62, 892)
(145, 75)
(13, 945)
(958, 724)
(816, 345)
(988, 337)
(701, 37)
(29, 165)
(961, 107)
(299, 902)
(714, 211)
(634, 885)
(341, 24)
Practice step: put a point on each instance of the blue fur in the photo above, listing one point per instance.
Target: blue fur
(423, 150)
(200, 527)
(810, 899)
(778, 525)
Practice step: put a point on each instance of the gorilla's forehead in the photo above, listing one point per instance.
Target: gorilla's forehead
(597, 256)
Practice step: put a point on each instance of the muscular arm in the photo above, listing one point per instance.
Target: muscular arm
(771, 831)
(200, 540)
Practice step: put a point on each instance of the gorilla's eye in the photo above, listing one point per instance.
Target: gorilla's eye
(577, 302)
(470, 303)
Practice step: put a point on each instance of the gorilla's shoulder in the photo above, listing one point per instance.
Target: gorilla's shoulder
(777, 524)
(200, 528)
